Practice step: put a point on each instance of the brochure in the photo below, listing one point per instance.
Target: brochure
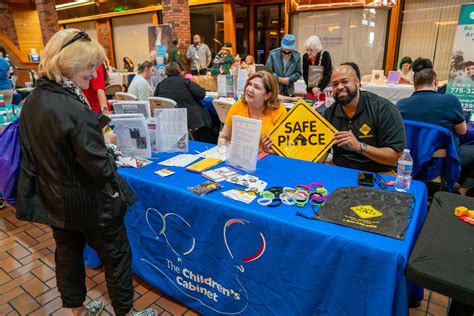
(243, 149)
(181, 160)
(133, 107)
(219, 174)
(133, 138)
(203, 165)
(171, 130)
(134, 162)
(240, 195)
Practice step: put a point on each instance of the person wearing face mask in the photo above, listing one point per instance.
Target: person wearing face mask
(260, 101)
(371, 133)
(68, 178)
(317, 66)
(285, 64)
(140, 85)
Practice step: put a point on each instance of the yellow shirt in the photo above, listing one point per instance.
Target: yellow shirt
(269, 121)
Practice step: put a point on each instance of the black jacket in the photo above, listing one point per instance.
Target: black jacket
(67, 178)
(325, 62)
(187, 94)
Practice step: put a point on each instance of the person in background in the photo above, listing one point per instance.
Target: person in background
(187, 94)
(128, 64)
(95, 94)
(260, 101)
(406, 74)
(428, 106)
(316, 56)
(223, 61)
(6, 87)
(68, 178)
(356, 69)
(371, 133)
(250, 63)
(174, 54)
(140, 85)
(285, 64)
(199, 57)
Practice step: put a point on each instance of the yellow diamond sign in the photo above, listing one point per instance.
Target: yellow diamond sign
(364, 129)
(303, 134)
(366, 211)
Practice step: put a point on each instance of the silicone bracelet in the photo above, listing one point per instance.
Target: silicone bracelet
(286, 199)
(264, 201)
(267, 195)
(275, 202)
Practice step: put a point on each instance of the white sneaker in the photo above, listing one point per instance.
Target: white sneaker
(94, 308)
(146, 312)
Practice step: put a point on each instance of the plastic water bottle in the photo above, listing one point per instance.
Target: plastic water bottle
(405, 166)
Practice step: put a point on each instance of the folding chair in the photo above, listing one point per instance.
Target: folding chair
(222, 108)
(124, 96)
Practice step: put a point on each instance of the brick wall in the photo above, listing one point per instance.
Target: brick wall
(48, 18)
(7, 23)
(176, 13)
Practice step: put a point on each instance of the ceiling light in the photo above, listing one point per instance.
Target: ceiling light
(76, 3)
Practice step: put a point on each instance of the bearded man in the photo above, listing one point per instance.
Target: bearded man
(371, 134)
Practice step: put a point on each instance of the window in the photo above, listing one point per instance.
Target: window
(208, 22)
(269, 28)
(242, 30)
(428, 31)
(356, 35)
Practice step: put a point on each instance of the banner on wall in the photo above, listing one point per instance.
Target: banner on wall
(159, 39)
(461, 68)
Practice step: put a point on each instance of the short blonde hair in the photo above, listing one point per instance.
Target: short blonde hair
(314, 43)
(271, 85)
(59, 61)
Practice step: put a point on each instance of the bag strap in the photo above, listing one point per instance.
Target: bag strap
(320, 57)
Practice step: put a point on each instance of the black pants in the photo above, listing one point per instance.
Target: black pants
(467, 166)
(111, 243)
(202, 72)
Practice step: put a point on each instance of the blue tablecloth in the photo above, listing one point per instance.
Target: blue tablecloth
(220, 256)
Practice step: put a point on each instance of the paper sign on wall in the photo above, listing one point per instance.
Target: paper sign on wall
(303, 134)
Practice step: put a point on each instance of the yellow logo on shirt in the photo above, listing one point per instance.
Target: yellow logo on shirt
(365, 129)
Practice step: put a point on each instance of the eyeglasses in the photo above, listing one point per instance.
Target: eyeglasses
(380, 181)
(81, 35)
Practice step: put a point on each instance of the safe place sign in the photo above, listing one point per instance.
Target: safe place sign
(303, 134)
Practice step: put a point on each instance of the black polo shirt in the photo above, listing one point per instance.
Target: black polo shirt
(376, 122)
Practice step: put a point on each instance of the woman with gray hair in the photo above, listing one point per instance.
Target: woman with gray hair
(317, 67)
(68, 179)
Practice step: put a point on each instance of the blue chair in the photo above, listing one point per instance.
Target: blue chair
(434, 153)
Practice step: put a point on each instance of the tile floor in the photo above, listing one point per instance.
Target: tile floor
(28, 285)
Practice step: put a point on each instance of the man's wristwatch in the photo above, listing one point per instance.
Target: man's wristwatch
(363, 147)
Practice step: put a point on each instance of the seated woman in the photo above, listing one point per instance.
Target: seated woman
(260, 101)
(406, 74)
(140, 85)
(187, 94)
(128, 64)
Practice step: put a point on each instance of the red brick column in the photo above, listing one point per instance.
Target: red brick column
(104, 36)
(7, 24)
(48, 18)
(176, 13)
